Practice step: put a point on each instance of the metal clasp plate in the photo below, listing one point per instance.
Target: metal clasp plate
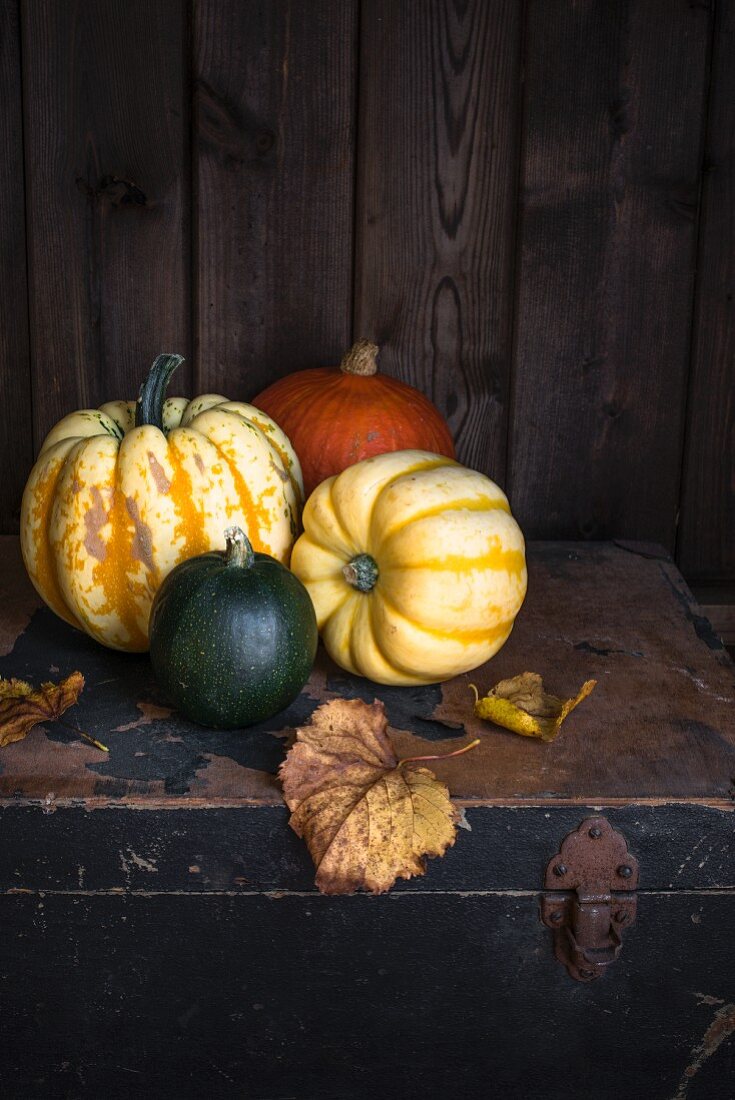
(597, 874)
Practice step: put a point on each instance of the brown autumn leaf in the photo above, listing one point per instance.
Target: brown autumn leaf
(22, 706)
(521, 705)
(367, 817)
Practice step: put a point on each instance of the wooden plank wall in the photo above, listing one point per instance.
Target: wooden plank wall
(613, 113)
(707, 530)
(274, 87)
(529, 205)
(16, 436)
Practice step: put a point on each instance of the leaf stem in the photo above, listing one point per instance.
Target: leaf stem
(441, 755)
(86, 736)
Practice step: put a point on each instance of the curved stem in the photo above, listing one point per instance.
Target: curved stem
(441, 755)
(87, 737)
(239, 552)
(149, 409)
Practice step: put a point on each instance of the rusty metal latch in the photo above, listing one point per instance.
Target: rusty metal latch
(597, 875)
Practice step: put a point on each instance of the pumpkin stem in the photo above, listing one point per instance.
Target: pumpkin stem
(149, 409)
(239, 551)
(361, 572)
(360, 359)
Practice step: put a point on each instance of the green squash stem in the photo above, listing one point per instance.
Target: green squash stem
(361, 572)
(152, 394)
(239, 552)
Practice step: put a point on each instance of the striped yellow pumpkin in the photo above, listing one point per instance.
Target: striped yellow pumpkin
(415, 566)
(121, 494)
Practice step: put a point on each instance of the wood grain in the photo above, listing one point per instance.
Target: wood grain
(706, 546)
(249, 848)
(267, 995)
(658, 726)
(273, 154)
(16, 437)
(106, 126)
(613, 120)
(718, 605)
(438, 133)
(591, 415)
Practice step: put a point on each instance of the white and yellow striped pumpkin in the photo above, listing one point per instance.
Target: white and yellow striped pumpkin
(119, 495)
(415, 566)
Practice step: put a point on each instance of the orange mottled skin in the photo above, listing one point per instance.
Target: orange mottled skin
(111, 507)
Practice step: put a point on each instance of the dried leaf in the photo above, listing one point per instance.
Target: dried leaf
(522, 705)
(22, 706)
(367, 817)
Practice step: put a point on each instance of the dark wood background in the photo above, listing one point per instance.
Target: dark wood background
(530, 206)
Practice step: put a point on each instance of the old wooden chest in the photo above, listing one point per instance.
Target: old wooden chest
(161, 935)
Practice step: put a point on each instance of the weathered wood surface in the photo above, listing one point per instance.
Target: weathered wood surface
(163, 931)
(658, 726)
(416, 996)
(718, 604)
(273, 154)
(106, 137)
(16, 436)
(438, 140)
(613, 121)
(706, 545)
(254, 185)
(243, 849)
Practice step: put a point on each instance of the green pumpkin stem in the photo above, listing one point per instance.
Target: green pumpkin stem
(361, 572)
(239, 552)
(149, 409)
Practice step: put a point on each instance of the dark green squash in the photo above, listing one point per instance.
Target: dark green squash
(233, 636)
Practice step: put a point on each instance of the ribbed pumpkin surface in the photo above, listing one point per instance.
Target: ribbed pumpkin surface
(111, 508)
(440, 559)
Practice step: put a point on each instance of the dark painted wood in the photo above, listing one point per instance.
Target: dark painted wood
(16, 438)
(418, 997)
(273, 154)
(106, 136)
(162, 933)
(718, 604)
(706, 547)
(436, 179)
(245, 849)
(613, 124)
(658, 726)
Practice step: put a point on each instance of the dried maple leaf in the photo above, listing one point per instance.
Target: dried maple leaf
(522, 705)
(367, 817)
(22, 706)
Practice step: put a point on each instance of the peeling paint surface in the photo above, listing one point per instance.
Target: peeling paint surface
(149, 712)
(171, 861)
(659, 720)
(129, 859)
(719, 1031)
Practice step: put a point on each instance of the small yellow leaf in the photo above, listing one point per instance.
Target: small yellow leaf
(367, 817)
(521, 705)
(22, 706)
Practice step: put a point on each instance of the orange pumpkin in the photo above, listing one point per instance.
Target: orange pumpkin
(336, 416)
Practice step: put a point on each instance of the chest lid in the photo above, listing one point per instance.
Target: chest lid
(659, 726)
